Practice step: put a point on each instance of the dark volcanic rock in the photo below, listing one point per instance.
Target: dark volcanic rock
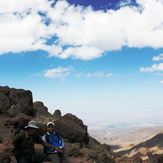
(4, 103)
(72, 128)
(74, 119)
(72, 149)
(155, 158)
(14, 110)
(5, 90)
(40, 108)
(24, 99)
(157, 140)
(57, 114)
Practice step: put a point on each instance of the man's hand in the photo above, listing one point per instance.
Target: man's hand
(51, 146)
(59, 149)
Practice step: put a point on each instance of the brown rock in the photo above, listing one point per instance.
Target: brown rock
(72, 128)
(4, 103)
(40, 108)
(14, 110)
(5, 90)
(72, 149)
(74, 119)
(24, 99)
(57, 114)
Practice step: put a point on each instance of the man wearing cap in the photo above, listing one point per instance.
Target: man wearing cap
(24, 144)
(53, 138)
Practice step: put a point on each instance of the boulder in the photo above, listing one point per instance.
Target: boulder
(40, 108)
(14, 110)
(24, 99)
(72, 149)
(57, 114)
(4, 103)
(72, 128)
(74, 119)
(5, 90)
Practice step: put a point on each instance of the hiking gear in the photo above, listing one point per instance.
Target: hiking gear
(32, 124)
(19, 122)
(50, 123)
(19, 125)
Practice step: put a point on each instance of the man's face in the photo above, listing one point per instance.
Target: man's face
(31, 131)
(50, 128)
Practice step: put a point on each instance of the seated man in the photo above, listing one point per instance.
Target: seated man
(53, 138)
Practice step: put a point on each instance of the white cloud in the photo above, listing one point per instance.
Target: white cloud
(161, 82)
(158, 58)
(99, 74)
(86, 34)
(62, 72)
(81, 52)
(154, 68)
(58, 73)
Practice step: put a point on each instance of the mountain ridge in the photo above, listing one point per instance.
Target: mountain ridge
(79, 146)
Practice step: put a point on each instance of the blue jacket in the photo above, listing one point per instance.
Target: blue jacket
(54, 139)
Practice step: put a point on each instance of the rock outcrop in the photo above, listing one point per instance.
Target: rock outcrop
(5, 90)
(79, 146)
(72, 128)
(57, 114)
(14, 101)
(23, 99)
(40, 109)
(4, 103)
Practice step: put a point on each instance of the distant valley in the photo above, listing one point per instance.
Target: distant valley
(123, 136)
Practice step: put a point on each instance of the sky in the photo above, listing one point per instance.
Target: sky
(101, 60)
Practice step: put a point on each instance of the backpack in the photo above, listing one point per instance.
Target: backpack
(19, 125)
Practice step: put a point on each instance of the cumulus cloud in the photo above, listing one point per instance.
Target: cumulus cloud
(62, 72)
(58, 73)
(154, 68)
(158, 58)
(79, 32)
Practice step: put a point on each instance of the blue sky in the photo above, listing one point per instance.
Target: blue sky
(100, 60)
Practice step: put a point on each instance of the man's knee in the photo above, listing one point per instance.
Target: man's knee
(65, 160)
(39, 157)
(54, 158)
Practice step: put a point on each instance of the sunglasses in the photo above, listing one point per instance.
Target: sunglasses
(50, 126)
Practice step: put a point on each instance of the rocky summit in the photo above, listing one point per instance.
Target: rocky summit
(17, 104)
(80, 147)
